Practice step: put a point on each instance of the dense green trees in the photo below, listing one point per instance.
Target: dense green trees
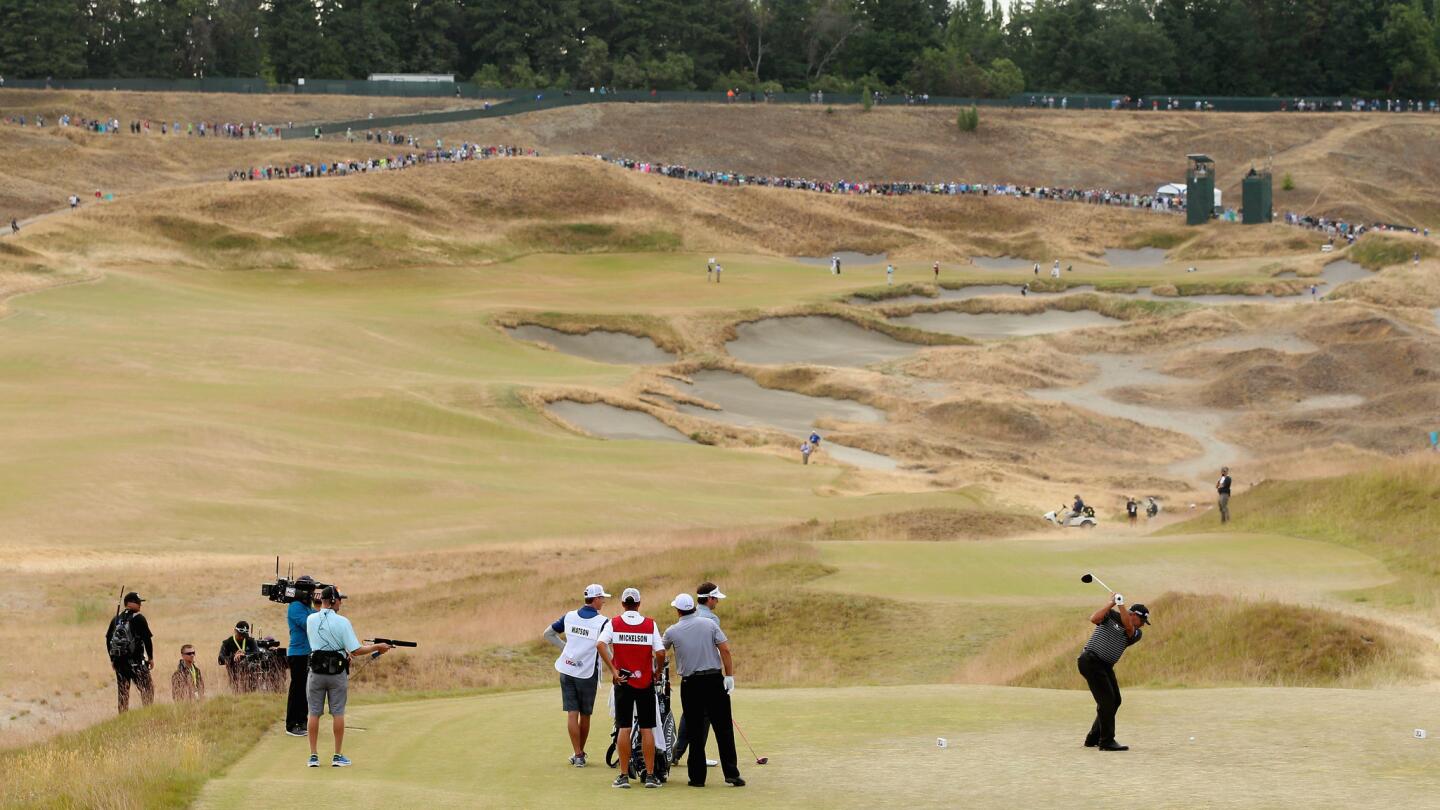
(949, 47)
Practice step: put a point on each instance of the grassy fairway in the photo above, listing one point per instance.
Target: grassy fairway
(863, 747)
(1050, 569)
(281, 409)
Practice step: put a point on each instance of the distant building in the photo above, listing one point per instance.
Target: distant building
(413, 77)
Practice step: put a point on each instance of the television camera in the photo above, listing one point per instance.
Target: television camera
(286, 588)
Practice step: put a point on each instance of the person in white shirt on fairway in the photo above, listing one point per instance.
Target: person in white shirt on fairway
(710, 268)
(889, 274)
(579, 665)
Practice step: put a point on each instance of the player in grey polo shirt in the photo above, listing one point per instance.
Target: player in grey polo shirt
(702, 659)
(707, 598)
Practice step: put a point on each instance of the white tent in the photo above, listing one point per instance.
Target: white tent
(1178, 190)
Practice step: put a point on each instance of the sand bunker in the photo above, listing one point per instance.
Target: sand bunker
(1120, 371)
(847, 258)
(1002, 263)
(864, 459)
(997, 325)
(813, 339)
(600, 346)
(1283, 342)
(1329, 402)
(748, 404)
(610, 422)
(1139, 257)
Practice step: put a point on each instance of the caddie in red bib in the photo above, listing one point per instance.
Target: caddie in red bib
(632, 649)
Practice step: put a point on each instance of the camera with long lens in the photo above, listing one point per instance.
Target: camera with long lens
(286, 588)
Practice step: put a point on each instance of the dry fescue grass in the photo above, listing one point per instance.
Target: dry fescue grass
(148, 758)
(922, 524)
(1378, 251)
(1120, 150)
(456, 214)
(1206, 640)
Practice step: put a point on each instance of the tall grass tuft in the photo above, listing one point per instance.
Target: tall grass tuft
(148, 758)
(968, 119)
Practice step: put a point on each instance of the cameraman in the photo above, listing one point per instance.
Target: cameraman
(298, 655)
(332, 644)
(132, 652)
(232, 656)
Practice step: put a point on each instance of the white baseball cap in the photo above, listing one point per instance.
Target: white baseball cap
(713, 591)
(630, 595)
(683, 602)
(593, 591)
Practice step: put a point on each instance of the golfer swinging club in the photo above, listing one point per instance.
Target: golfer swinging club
(1115, 630)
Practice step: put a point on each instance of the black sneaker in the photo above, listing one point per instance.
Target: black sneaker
(1091, 742)
(734, 781)
(650, 780)
(621, 781)
(1111, 745)
(297, 732)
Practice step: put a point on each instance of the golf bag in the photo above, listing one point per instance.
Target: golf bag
(664, 732)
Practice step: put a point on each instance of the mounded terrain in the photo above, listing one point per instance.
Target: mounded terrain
(201, 375)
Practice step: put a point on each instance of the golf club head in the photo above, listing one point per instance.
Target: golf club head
(762, 761)
(1086, 578)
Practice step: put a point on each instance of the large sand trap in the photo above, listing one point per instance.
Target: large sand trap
(847, 258)
(814, 339)
(747, 403)
(1281, 342)
(600, 346)
(1139, 257)
(997, 325)
(1002, 263)
(1120, 371)
(1329, 401)
(610, 422)
(863, 459)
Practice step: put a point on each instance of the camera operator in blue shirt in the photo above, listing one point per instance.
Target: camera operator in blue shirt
(297, 655)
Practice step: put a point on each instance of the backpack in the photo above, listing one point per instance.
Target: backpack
(122, 641)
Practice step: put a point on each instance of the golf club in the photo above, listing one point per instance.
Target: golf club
(758, 759)
(1093, 578)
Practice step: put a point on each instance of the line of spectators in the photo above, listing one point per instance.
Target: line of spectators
(146, 126)
(1333, 228)
(464, 152)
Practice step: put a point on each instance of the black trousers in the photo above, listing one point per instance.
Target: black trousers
(1106, 690)
(297, 709)
(706, 706)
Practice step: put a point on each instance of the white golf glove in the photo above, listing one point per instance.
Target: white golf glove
(1119, 599)
(729, 684)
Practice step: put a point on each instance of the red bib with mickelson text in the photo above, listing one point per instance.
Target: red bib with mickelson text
(634, 648)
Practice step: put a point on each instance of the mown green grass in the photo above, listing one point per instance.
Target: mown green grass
(1390, 512)
(157, 757)
(867, 747)
(1022, 571)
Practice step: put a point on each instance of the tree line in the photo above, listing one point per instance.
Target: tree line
(942, 47)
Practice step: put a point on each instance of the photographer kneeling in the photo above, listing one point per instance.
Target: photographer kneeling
(332, 644)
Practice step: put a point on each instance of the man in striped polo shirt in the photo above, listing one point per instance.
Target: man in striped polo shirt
(1115, 630)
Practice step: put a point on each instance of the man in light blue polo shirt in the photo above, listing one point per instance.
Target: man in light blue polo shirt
(332, 644)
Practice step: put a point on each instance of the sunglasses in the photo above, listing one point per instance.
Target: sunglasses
(190, 654)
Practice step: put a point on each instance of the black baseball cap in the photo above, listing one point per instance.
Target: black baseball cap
(133, 598)
(243, 626)
(1141, 611)
(331, 593)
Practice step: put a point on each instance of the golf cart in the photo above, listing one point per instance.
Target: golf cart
(1084, 520)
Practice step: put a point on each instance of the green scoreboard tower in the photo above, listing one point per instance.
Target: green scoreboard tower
(1256, 192)
(1199, 189)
